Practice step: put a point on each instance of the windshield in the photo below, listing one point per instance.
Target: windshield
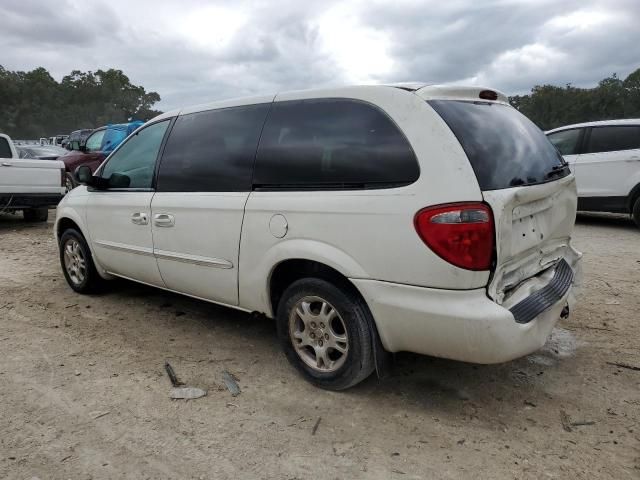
(504, 147)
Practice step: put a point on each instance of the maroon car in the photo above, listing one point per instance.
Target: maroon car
(90, 154)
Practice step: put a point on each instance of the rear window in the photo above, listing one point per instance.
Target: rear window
(612, 139)
(504, 147)
(332, 144)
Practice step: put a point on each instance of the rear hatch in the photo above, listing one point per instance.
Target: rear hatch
(527, 184)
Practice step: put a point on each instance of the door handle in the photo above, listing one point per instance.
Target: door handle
(163, 220)
(139, 218)
(6, 164)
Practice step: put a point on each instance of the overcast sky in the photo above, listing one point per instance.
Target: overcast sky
(193, 51)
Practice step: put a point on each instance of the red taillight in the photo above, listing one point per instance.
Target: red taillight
(460, 233)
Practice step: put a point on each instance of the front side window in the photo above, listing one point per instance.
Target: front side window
(613, 139)
(332, 143)
(212, 151)
(566, 141)
(95, 141)
(133, 164)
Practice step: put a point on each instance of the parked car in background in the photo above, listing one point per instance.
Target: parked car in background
(89, 154)
(605, 159)
(77, 138)
(97, 146)
(57, 139)
(429, 219)
(115, 134)
(29, 185)
(40, 152)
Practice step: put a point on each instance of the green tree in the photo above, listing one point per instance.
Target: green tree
(552, 106)
(35, 105)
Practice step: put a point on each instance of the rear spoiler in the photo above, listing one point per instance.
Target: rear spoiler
(455, 92)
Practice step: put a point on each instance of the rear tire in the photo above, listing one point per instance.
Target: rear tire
(77, 263)
(36, 214)
(325, 333)
(635, 212)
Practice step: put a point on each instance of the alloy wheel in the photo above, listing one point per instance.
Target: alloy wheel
(74, 261)
(318, 334)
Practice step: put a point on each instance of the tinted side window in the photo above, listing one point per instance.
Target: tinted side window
(136, 158)
(5, 149)
(332, 143)
(212, 151)
(611, 139)
(95, 141)
(566, 140)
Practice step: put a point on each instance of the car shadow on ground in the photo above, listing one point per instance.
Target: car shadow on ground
(416, 382)
(12, 221)
(616, 220)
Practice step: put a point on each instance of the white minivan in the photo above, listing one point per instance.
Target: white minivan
(365, 220)
(605, 159)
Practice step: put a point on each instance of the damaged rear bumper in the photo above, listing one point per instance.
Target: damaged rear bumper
(467, 325)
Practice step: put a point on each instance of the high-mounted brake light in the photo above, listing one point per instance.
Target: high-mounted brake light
(488, 95)
(460, 233)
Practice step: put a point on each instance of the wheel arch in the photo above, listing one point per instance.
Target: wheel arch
(633, 196)
(67, 218)
(288, 271)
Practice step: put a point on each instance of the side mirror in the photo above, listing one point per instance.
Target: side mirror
(119, 180)
(82, 148)
(83, 175)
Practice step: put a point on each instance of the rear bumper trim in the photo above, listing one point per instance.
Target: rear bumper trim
(536, 303)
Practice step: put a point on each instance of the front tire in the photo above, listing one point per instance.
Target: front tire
(77, 263)
(36, 214)
(325, 333)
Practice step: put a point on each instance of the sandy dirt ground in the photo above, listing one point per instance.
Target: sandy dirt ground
(83, 391)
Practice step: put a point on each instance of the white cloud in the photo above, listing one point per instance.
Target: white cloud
(210, 27)
(581, 20)
(197, 50)
(360, 51)
(527, 61)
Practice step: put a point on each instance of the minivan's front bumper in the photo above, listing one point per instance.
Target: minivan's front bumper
(461, 325)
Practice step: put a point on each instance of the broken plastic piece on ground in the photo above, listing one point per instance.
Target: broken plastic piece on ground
(172, 375)
(231, 383)
(187, 393)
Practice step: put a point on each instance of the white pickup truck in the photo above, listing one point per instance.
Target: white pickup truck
(29, 185)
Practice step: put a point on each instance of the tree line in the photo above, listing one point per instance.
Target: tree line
(550, 106)
(33, 104)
